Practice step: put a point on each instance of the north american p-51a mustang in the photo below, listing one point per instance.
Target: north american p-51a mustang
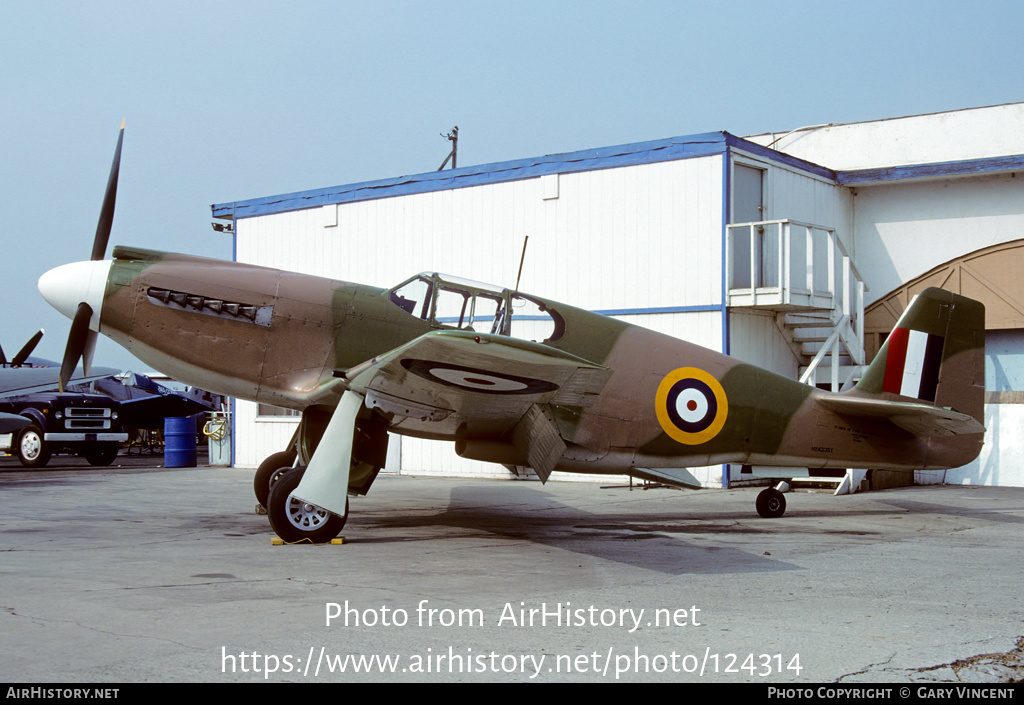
(441, 358)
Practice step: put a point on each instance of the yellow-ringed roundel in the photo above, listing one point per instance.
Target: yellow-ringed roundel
(691, 405)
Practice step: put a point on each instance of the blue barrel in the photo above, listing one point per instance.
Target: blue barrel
(179, 442)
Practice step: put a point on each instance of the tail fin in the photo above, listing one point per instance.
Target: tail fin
(935, 354)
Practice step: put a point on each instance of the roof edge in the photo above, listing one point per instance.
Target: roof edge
(885, 119)
(669, 149)
(935, 170)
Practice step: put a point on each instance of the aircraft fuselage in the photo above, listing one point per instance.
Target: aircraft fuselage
(280, 338)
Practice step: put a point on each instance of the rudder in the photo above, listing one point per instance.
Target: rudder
(935, 354)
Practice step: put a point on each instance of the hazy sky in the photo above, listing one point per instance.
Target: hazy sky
(234, 100)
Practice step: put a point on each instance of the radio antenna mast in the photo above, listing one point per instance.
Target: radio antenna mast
(452, 137)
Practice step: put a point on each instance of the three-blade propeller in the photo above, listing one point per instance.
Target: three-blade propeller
(82, 339)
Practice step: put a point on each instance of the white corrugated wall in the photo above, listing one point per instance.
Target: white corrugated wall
(637, 236)
(624, 239)
(905, 229)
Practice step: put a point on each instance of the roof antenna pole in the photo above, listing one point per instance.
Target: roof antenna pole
(452, 137)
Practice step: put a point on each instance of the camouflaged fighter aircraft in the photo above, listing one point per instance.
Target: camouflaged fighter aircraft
(439, 358)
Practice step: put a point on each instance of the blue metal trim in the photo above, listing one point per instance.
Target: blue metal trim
(659, 309)
(760, 151)
(938, 169)
(705, 308)
(233, 425)
(232, 402)
(586, 160)
(726, 209)
(670, 149)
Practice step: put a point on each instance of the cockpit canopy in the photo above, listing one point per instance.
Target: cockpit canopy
(452, 302)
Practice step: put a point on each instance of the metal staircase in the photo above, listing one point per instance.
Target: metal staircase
(802, 273)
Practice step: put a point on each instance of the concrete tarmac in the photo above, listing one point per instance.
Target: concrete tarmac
(138, 573)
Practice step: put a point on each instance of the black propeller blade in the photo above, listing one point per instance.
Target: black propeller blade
(82, 340)
(99, 243)
(78, 339)
(26, 350)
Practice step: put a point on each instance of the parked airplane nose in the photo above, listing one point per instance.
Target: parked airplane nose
(67, 286)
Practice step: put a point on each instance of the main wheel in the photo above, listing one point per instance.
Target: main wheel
(295, 520)
(261, 481)
(771, 503)
(32, 450)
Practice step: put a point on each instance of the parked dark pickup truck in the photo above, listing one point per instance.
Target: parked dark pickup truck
(86, 424)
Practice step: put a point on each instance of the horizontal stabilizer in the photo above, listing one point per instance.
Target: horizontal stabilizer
(919, 419)
(677, 477)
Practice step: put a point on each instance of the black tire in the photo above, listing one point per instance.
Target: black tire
(771, 503)
(102, 455)
(266, 470)
(31, 449)
(296, 521)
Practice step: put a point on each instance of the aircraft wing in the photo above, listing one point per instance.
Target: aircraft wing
(26, 380)
(487, 389)
(144, 403)
(150, 411)
(484, 384)
(919, 419)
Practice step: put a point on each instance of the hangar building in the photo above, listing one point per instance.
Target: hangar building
(794, 250)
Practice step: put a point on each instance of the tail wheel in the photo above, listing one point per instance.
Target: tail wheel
(771, 503)
(295, 520)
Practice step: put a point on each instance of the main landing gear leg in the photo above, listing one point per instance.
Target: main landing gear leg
(312, 503)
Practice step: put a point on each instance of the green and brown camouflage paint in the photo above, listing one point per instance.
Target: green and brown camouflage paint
(305, 329)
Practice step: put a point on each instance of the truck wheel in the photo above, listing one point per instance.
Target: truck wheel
(101, 455)
(33, 451)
